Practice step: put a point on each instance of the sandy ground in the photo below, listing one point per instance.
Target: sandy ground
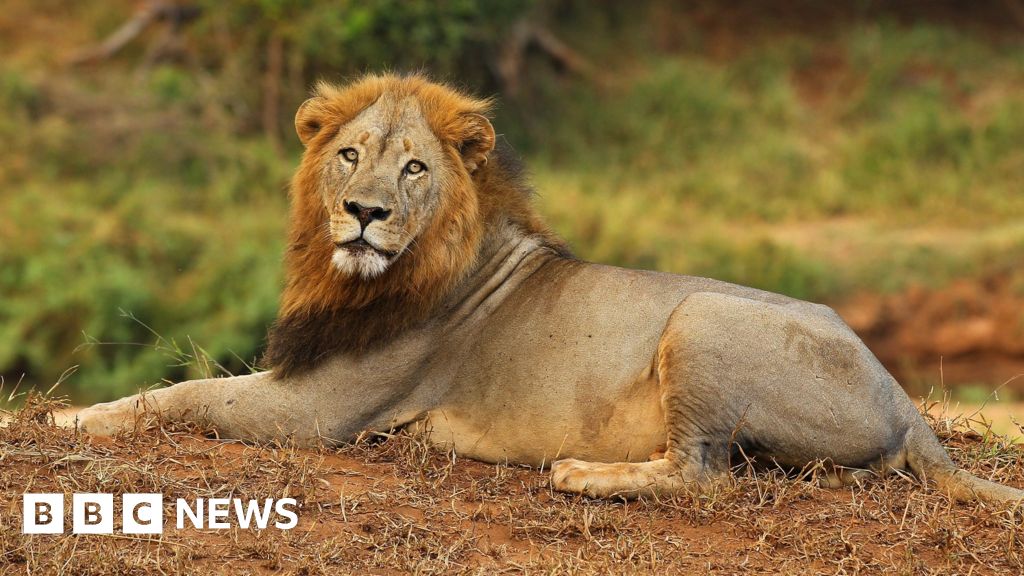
(395, 506)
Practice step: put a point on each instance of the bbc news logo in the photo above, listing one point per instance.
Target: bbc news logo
(144, 513)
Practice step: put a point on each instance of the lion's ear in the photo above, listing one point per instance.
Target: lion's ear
(308, 119)
(477, 141)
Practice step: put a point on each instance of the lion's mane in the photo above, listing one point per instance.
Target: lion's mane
(324, 312)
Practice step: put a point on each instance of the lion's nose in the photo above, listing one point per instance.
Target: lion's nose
(366, 214)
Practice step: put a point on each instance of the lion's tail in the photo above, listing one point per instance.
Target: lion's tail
(928, 460)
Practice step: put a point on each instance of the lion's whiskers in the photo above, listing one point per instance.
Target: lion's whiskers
(413, 240)
(326, 228)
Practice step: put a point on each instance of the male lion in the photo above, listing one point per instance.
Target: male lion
(423, 288)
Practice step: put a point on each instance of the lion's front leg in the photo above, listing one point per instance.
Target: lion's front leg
(254, 407)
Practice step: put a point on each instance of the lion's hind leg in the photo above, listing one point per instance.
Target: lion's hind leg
(696, 451)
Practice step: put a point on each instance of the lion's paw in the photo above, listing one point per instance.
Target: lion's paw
(616, 479)
(109, 418)
(576, 477)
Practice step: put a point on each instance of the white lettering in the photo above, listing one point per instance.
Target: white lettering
(251, 510)
(281, 509)
(144, 513)
(217, 508)
(196, 516)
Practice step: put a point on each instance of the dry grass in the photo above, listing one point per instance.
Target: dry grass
(390, 504)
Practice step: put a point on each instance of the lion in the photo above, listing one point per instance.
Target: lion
(423, 290)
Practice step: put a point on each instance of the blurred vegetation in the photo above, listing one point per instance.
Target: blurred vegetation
(815, 154)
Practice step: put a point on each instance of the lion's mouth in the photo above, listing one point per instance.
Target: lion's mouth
(361, 245)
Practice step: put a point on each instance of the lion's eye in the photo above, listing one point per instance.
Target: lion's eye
(349, 154)
(415, 167)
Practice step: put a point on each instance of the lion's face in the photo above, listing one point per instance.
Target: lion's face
(389, 168)
(381, 185)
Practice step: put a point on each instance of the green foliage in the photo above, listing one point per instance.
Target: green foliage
(335, 39)
(177, 225)
(745, 145)
(16, 93)
(210, 275)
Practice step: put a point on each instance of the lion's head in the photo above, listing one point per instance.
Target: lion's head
(386, 158)
(396, 189)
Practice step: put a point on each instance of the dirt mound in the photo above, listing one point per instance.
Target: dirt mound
(395, 506)
(970, 332)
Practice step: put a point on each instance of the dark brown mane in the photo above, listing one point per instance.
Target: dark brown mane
(323, 312)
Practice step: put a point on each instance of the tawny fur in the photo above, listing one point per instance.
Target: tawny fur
(484, 334)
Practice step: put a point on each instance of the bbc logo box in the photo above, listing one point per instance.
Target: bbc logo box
(92, 513)
(144, 513)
